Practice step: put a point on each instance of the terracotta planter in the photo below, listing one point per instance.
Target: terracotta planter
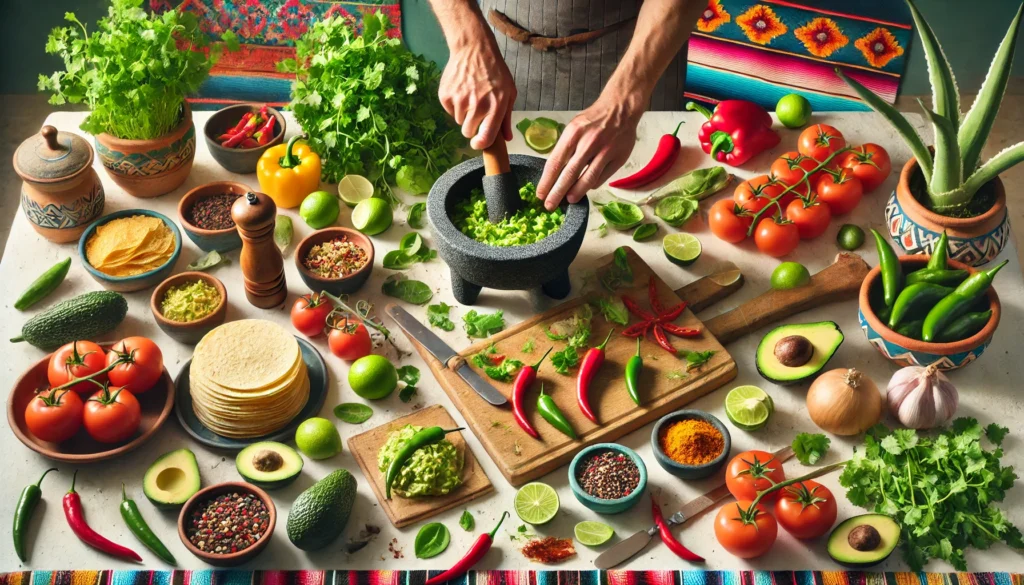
(975, 241)
(150, 168)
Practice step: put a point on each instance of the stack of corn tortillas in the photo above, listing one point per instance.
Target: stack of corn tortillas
(248, 379)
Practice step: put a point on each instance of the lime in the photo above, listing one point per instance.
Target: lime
(748, 407)
(372, 216)
(319, 209)
(592, 533)
(790, 275)
(793, 110)
(318, 438)
(536, 503)
(681, 248)
(372, 377)
(850, 237)
(725, 273)
(354, 188)
(541, 137)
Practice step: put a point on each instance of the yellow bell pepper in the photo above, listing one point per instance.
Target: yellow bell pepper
(289, 172)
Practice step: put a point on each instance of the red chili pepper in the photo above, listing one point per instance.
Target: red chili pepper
(232, 131)
(76, 520)
(249, 143)
(636, 330)
(634, 308)
(672, 313)
(678, 331)
(668, 538)
(661, 162)
(266, 132)
(245, 132)
(524, 379)
(652, 295)
(591, 362)
(476, 552)
(661, 339)
(737, 131)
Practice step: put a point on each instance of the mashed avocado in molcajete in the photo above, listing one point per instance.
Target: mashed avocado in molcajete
(531, 224)
(433, 470)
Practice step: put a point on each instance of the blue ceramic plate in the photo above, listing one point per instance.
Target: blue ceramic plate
(317, 396)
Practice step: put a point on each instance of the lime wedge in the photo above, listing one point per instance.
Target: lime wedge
(541, 137)
(372, 216)
(536, 503)
(748, 407)
(592, 533)
(681, 248)
(354, 188)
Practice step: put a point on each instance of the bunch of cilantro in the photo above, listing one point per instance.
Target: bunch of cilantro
(939, 489)
(134, 71)
(370, 106)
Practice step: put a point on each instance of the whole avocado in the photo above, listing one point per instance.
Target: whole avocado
(86, 316)
(320, 513)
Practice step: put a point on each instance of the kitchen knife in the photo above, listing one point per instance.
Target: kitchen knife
(444, 354)
(628, 548)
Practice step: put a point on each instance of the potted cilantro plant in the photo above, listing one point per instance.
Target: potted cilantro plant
(134, 72)
(948, 187)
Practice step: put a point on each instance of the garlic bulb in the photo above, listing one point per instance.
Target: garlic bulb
(921, 398)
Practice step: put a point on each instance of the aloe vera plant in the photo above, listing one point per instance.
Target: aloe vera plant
(954, 172)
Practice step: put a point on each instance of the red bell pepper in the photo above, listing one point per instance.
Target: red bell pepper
(737, 131)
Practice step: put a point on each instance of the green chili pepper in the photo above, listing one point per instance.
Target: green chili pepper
(943, 277)
(965, 326)
(957, 303)
(44, 285)
(911, 329)
(884, 313)
(633, 367)
(137, 524)
(27, 503)
(550, 412)
(916, 298)
(940, 255)
(424, 437)
(892, 272)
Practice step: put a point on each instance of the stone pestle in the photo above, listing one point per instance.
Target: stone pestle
(501, 186)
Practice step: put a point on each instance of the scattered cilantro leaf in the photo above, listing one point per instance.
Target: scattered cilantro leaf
(619, 273)
(466, 521)
(565, 360)
(810, 448)
(613, 309)
(437, 316)
(574, 330)
(696, 359)
(483, 325)
(528, 346)
(409, 374)
(407, 393)
(996, 433)
(488, 357)
(677, 375)
(503, 372)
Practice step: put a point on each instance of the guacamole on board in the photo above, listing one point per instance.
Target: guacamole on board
(531, 224)
(434, 470)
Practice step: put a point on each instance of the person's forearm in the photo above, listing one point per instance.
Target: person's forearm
(461, 22)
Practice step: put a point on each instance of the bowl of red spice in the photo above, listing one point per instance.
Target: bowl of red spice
(335, 259)
(608, 478)
(228, 523)
(205, 214)
(691, 444)
(238, 135)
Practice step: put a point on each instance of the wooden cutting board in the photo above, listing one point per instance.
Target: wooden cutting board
(404, 511)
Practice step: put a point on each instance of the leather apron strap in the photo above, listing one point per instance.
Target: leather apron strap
(512, 30)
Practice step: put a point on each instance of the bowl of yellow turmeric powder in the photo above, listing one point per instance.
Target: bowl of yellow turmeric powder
(691, 444)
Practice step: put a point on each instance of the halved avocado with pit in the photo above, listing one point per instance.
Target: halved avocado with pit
(268, 464)
(793, 353)
(172, 479)
(863, 541)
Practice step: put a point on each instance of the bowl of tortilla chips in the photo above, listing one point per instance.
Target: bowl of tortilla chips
(130, 250)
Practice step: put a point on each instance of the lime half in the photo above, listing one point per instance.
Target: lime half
(372, 216)
(748, 407)
(681, 248)
(536, 503)
(354, 188)
(541, 137)
(725, 274)
(592, 533)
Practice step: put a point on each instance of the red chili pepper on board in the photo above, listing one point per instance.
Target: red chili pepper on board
(636, 310)
(524, 379)
(667, 537)
(76, 520)
(662, 340)
(476, 552)
(678, 331)
(652, 295)
(737, 131)
(665, 155)
(672, 313)
(637, 329)
(591, 362)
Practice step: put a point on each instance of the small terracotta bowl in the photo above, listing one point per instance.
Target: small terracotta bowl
(905, 351)
(192, 331)
(220, 240)
(336, 286)
(138, 281)
(230, 559)
(238, 160)
(680, 469)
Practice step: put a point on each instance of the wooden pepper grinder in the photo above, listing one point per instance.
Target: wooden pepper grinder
(262, 266)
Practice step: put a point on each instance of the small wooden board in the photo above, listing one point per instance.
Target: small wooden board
(404, 511)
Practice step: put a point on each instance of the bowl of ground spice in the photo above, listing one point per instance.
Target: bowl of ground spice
(690, 444)
(608, 478)
(228, 523)
(189, 305)
(335, 259)
(205, 214)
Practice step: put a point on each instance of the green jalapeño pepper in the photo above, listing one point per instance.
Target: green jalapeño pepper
(940, 254)
(916, 298)
(957, 303)
(137, 524)
(911, 329)
(550, 412)
(889, 266)
(633, 367)
(27, 503)
(426, 436)
(965, 326)
(943, 277)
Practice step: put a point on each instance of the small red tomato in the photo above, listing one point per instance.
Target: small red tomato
(746, 533)
(309, 313)
(350, 341)
(791, 167)
(54, 416)
(806, 509)
(729, 221)
(142, 364)
(752, 206)
(776, 236)
(840, 190)
(112, 415)
(751, 472)
(819, 141)
(77, 360)
(810, 216)
(763, 186)
(870, 163)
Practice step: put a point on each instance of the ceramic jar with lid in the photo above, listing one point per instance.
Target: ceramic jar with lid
(61, 194)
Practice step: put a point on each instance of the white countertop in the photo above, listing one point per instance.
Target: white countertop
(989, 390)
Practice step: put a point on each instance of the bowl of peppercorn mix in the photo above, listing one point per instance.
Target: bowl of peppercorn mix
(228, 523)
(335, 259)
(691, 444)
(205, 215)
(608, 478)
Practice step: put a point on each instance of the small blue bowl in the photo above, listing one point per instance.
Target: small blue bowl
(689, 471)
(139, 281)
(607, 506)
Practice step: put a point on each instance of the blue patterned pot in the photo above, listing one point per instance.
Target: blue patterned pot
(974, 241)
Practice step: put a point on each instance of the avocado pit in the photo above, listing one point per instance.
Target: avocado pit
(267, 461)
(794, 351)
(864, 538)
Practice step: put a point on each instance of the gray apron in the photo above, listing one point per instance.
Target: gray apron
(553, 72)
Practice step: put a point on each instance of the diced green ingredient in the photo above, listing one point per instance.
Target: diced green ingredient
(810, 448)
(574, 330)
(190, 301)
(437, 316)
(486, 358)
(432, 470)
(565, 360)
(530, 224)
(528, 346)
(613, 309)
(466, 521)
(481, 325)
(504, 371)
(622, 215)
(696, 359)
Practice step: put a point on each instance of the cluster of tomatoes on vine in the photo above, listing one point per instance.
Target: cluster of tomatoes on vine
(803, 190)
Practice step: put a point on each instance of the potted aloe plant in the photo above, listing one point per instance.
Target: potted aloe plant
(134, 72)
(948, 186)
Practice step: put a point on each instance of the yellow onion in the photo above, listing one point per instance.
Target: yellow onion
(921, 398)
(844, 402)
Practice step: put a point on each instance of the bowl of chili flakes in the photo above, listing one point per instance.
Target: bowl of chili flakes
(335, 259)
